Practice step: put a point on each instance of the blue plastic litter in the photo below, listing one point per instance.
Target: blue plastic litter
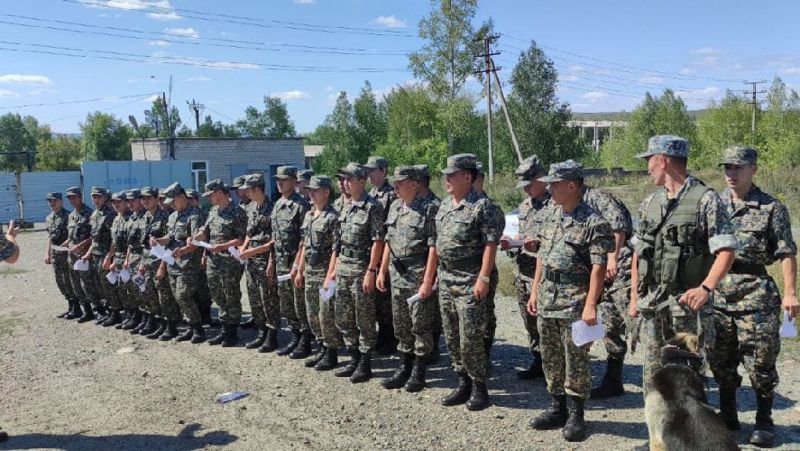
(225, 398)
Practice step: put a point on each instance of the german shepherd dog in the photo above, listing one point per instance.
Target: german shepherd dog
(676, 410)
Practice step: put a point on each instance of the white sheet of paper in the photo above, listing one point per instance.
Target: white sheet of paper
(236, 254)
(81, 265)
(59, 248)
(284, 277)
(157, 250)
(125, 275)
(139, 281)
(112, 277)
(413, 299)
(328, 294)
(583, 333)
(167, 257)
(203, 244)
(788, 328)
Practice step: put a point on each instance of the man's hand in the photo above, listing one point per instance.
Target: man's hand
(480, 290)
(633, 312)
(504, 242)
(532, 310)
(531, 244)
(589, 315)
(381, 283)
(694, 298)
(162, 272)
(369, 282)
(425, 290)
(790, 305)
(612, 267)
(12, 232)
(299, 280)
(217, 248)
(247, 254)
(47, 260)
(327, 283)
(270, 269)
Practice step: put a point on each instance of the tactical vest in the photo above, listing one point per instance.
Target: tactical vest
(671, 254)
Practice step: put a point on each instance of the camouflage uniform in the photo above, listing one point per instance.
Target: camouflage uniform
(157, 296)
(136, 232)
(675, 241)
(120, 296)
(386, 196)
(56, 225)
(422, 170)
(463, 231)
(223, 271)
(494, 280)
(261, 290)
(94, 282)
(78, 230)
(184, 274)
(287, 219)
(361, 224)
(7, 248)
(340, 202)
(319, 240)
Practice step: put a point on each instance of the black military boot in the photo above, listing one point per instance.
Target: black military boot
(355, 356)
(146, 318)
(764, 430)
(133, 321)
(329, 360)
(128, 314)
(69, 309)
(112, 318)
(170, 331)
(160, 324)
(534, 371)
(727, 408)
(217, 339)
(479, 399)
(198, 333)
(231, 337)
(611, 385)
(303, 348)
(316, 357)
(75, 312)
(416, 382)
(363, 372)
(271, 342)
(553, 418)
(401, 375)
(388, 346)
(575, 428)
(100, 315)
(461, 393)
(187, 334)
(286, 350)
(205, 314)
(259, 340)
(247, 324)
(87, 315)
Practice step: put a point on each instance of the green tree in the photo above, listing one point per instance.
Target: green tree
(105, 137)
(370, 120)
(337, 133)
(725, 124)
(216, 129)
(273, 122)
(159, 113)
(779, 127)
(62, 153)
(20, 134)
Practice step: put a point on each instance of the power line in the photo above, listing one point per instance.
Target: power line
(221, 114)
(112, 107)
(755, 101)
(69, 102)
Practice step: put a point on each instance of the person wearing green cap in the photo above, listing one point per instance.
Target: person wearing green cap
(114, 258)
(748, 318)
(56, 226)
(133, 258)
(344, 196)
(94, 282)
(684, 245)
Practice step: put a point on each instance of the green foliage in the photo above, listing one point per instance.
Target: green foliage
(338, 133)
(273, 122)
(167, 123)
(211, 129)
(105, 137)
(370, 120)
(20, 134)
(63, 153)
(725, 124)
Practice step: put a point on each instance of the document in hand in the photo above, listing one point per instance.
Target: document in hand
(81, 265)
(583, 333)
(788, 328)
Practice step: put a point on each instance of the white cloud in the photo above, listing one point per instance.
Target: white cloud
(594, 96)
(183, 32)
(568, 77)
(6, 94)
(651, 80)
(705, 51)
(708, 61)
(702, 93)
(687, 71)
(41, 92)
(162, 9)
(161, 55)
(25, 79)
(305, 2)
(791, 71)
(159, 43)
(194, 79)
(291, 95)
(389, 22)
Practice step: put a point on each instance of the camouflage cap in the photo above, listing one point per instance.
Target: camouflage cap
(479, 169)
(460, 162)
(405, 173)
(305, 175)
(99, 191)
(53, 196)
(376, 162)
(193, 193)
(73, 191)
(149, 191)
(119, 195)
(320, 181)
(739, 156)
(173, 191)
(354, 170)
(566, 170)
(238, 182)
(528, 170)
(254, 181)
(214, 185)
(132, 194)
(285, 172)
(669, 145)
(422, 171)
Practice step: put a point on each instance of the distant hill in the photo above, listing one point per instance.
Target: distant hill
(620, 115)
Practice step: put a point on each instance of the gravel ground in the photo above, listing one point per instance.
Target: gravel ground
(71, 386)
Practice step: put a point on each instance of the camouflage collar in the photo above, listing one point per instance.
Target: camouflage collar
(360, 202)
(751, 199)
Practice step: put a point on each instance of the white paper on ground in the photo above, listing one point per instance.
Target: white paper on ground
(236, 254)
(59, 248)
(203, 244)
(81, 265)
(329, 293)
(788, 328)
(124, 275)
(112, 277)
(583, 333)
(515, 243)
(284, 277)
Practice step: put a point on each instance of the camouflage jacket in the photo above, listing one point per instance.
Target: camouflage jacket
(410, 232)
(155, 226)
(319, 238)
(229, 223)
(100, 221)
(259, 230)
(528, 226)
(119, 234)
(78, 226)
(340, 202)
(385, 195)
(56, 225)
(569, 246)
(6, 247)
(619, 218)
(361, 223)
(287, 220)
(137, 224)
(180, 226)
(464, 229)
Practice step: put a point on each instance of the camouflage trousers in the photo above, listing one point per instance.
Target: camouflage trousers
(262, 294)
(523, 285)
(124, 291)
(491, 316)
(384, 306)
(321, 313)
(614, 310)
(566, 366)
(355, 310)
(203, 295)
(94, 283)
(464, 323)
(413, 323)
(61, 270)
(184, 288)
(75, 280)
(752, 339)
(292, 301)
(224, 283)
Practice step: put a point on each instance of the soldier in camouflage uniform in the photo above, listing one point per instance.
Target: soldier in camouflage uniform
(258, 245)
(377, 171)
(491, 324)
(287, 219)
(574, 243)
(468, 229)
(226, 227)
(56, 225)
(117, 295)
(344, 196)
(303, 179)
(358, 254)
(527, 173)
(133, 257)
(203, 293)
(317, 262)
(9, 250)
(425, 192)
(94, 282)
(79, 236)
(748, 308)
(410, 264)
(684, 244)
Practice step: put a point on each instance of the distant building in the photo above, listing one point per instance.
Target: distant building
(311, 152)
(600, 130)
(225, 158)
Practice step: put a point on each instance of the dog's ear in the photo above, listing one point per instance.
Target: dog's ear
(673, 355)
(686, 341)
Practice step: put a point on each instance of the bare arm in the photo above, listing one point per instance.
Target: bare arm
(789, 270)
(481, 288)
(595, 289)
(537, 278)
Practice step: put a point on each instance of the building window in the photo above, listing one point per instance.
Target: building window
(199, 174)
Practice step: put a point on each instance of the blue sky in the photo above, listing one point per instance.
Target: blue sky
(228, 55)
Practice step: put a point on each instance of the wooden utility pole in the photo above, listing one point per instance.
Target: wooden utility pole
(489, 69)
(507, 114)
(196, 109)
(754, 100)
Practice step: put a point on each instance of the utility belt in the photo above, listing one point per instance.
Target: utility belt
(567, 278)
(463, 264)
(748, 268)
(360, 254)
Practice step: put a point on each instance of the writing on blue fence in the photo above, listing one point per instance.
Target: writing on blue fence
(122, 181)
